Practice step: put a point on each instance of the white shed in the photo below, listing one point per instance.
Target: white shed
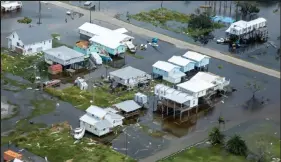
(199, 59)
(140, 98)
(186, 65)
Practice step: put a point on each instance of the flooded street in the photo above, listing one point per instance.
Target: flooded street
(134, 141)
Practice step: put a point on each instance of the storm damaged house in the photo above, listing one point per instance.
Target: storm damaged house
(29, 41)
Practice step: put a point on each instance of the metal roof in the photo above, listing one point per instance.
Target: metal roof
(34, 34)
(121, 30)
(89, 119)
(94, 29)
(64, 53)
(112, 115)
(102, 124)
(109, 109)
(206, 76)
(128, 72)
(107, 42)
(166, 66)
(128, 106)
(180, 61)
(194, 56)
(178, 98)
(97, 111)
(195, 85)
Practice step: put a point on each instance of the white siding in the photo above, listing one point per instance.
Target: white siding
(14, 41)
(92, 129)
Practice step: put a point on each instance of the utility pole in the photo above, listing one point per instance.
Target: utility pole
(39, 21)
(161, 4)
(99, 5)
(90, 15)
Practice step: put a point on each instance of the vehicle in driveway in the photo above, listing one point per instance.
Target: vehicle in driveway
(87, 3)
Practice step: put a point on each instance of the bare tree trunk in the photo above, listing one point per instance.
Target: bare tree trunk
(215, 6)
(220, 8)
(230, 8)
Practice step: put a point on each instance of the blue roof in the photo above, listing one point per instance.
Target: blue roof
(223, 19)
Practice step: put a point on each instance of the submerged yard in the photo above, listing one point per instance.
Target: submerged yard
(58, 145)
(178, 22)
(101, 96)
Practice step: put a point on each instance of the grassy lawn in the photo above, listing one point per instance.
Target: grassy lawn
(20, 65)
(81, 99)
(134, 55)
(208, 154)
(57, 145)
(173, 21)
(23, 126)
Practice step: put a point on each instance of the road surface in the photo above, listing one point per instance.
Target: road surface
(178, 43)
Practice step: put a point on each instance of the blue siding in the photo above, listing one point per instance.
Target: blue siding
(119, 50)
(81, 50)
(203, 62)
(159, 72)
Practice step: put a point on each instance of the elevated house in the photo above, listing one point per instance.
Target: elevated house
(130, 76)
(219, 82)
(196, 88)
(100, 121)
(201, 61)
(185, 65)
(22, 41)
(241, 27)
(128, 108)
(65, 56)
(167, 71)
(174, 99)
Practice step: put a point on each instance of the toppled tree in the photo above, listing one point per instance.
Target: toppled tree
(254, 86)
(25, 20)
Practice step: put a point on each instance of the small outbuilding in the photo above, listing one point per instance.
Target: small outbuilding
(128, 108)
(130, 76)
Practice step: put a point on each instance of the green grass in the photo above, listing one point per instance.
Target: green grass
(81, 99)
(25, 20)
(43, 143)
(14, 83)
(160, 17)
(20, 65)
(54, 35)
(41, 107)
(134, 55)
(207, 154)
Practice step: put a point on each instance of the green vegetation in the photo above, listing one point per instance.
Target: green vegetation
(152, 133)
(20, 65)
(58, 145)
(198, 24)
(55, 35)
(81, 99)
(41, 107)
(206, 154)
(25, 20)
(220, 66)
(14, 83)
(237, 146)
(216, 137)
(248, 7)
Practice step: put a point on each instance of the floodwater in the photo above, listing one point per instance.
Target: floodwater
(139, 144)
(251, 53)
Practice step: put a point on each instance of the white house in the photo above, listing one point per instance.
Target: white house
(201, 61)
(168, 71)
(164, 92)
(196, 88)
(129, 76)
(218, 81)
(185, 65)
(243, 27)
(100, 121)
(29, 41)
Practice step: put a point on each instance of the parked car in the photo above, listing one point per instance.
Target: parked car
(68, 12)
(87, 3)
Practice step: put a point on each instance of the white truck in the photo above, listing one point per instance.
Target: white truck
(8, 6)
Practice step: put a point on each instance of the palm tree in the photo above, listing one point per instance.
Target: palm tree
(237, 146)
(216, 137)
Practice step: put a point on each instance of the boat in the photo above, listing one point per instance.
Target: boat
(154, 42)
(79, 133)
(8, 6)
(131, 47)
(52, 83)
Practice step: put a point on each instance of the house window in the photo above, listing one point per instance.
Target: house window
(18, 44)
(193, 102)
(113, 121)
(50, 41)
(95, 128)
(44, 42)
(90, 126)
(103, 129)
(23, 46)
(13, 36)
